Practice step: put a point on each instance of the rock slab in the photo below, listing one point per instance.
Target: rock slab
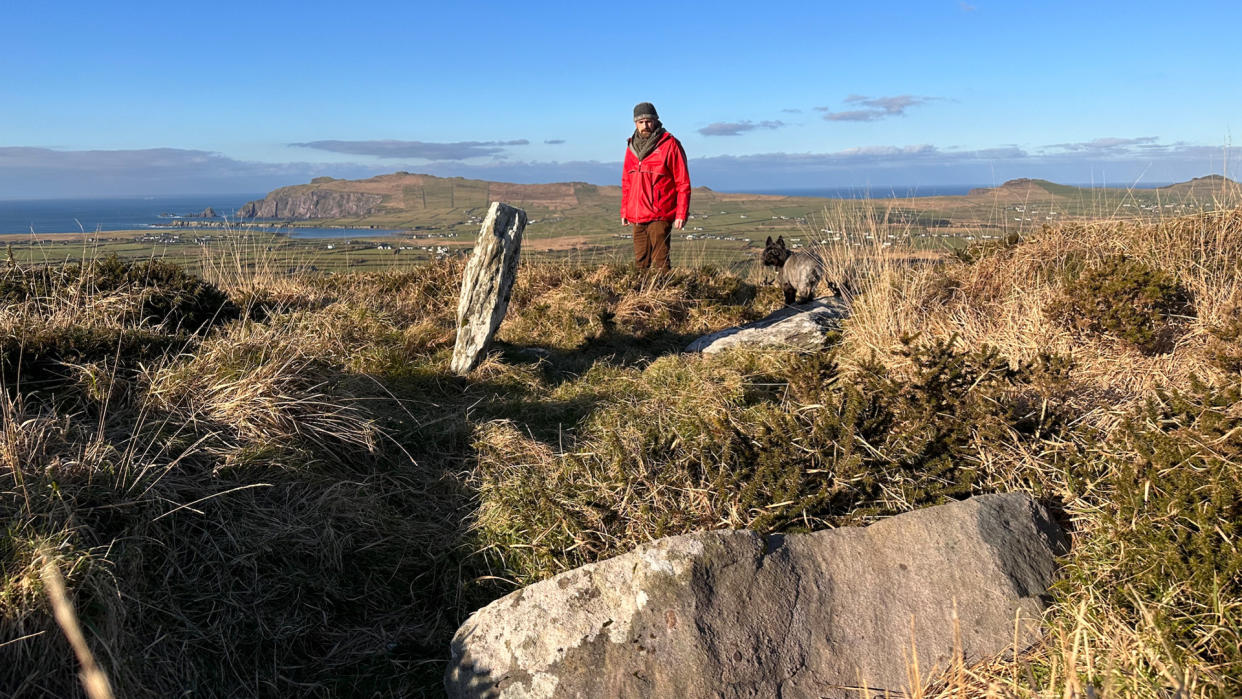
(803, 327)
(487, 284)
(737, 614)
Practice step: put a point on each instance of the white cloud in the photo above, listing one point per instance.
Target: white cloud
(419, 150)
(876, 108)
(43, 172)
(736, 128)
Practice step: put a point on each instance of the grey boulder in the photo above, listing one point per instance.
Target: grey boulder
(803, 327)
(737, 614)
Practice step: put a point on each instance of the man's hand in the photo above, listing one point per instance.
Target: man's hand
(679, 223)
(624, 222)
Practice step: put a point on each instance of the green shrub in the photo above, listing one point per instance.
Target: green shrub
(1225, 347)
(924, 427)
(698, 443)
(1169, 545)
(1126, 299)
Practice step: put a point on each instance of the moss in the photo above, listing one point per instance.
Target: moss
(1128, 300)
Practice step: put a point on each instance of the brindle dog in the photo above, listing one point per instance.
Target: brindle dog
(800, 271)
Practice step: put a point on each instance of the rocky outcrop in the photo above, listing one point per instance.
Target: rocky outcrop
(487, 284)
(737, 614)
(804, 327)
(291, 203)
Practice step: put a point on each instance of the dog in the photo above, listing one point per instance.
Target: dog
(800, 272)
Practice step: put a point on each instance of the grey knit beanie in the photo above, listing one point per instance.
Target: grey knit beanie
(645, 109)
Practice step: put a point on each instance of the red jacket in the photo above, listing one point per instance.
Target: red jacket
(658, 188)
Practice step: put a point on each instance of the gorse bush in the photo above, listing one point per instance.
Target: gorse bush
(703, 445)
(1167, 551)
(1225, 346)
(1126, 299)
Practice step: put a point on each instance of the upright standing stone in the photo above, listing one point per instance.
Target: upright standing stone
(487, 284)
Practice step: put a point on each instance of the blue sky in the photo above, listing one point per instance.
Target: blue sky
(152, 98)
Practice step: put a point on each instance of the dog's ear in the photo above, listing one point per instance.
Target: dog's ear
(780, 241)
(769, 241)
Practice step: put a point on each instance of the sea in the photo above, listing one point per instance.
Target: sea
(42, 216)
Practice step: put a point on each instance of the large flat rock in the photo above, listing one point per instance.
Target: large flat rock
(803, 327)
(737, 614)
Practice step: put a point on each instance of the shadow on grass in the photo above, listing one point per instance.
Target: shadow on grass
(614, 347)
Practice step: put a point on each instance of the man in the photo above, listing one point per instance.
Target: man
(655, 188)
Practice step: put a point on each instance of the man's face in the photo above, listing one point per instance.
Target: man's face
(645, 125)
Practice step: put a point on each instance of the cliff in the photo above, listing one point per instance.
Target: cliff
(303, 203)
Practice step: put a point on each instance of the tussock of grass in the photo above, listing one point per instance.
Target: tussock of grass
(147, 292)
(302, 499)
(1001, 295)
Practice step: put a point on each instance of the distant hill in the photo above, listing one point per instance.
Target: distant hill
(329, 198)
(1025, 188)
(450, 208)
(404, 194)
(1204, 187)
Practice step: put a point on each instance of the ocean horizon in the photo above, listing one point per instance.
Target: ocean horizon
(103, 214)
(100, 214)
(156, 213)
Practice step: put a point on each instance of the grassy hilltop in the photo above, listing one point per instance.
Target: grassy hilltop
(258, 480)
(426, 203)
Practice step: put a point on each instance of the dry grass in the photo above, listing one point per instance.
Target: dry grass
(304, 500)
(999, 299)
(1102, 642)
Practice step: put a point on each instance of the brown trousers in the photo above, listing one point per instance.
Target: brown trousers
(651, 241)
